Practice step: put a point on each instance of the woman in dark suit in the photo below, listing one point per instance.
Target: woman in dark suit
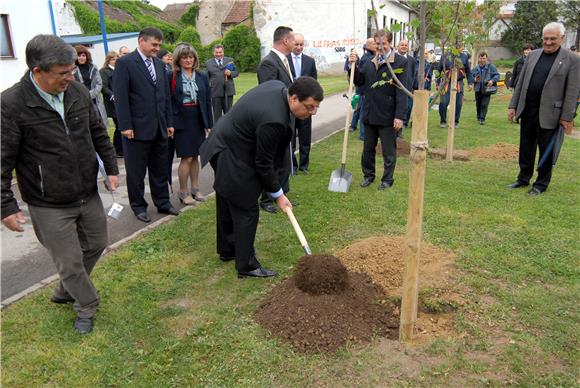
(192, 118)
(109, 99)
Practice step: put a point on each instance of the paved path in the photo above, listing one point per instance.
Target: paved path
(25, 264)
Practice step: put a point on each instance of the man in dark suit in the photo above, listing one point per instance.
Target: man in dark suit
(221, 72)
(403, 50)
(544, 98)
(384, 108)
(143, 105)
(246, 148)
(275, 66)
(300, 65)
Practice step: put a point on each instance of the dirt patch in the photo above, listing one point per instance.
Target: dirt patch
(382, 259)
(441, 153)
(498, 151)
(321, 274)
(322, 322)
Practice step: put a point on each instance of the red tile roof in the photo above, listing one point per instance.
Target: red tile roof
(240, 11)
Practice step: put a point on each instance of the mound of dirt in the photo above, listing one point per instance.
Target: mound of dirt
(498, 151)
(382, 259)
(320, 274)
(324, 322)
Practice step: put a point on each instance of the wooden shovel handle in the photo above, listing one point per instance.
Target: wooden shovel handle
(297, 229)
(348, 114)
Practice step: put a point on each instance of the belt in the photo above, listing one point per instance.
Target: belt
(191, 104)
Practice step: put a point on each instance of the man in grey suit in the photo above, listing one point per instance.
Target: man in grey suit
(544, 98)
(300, 65)
(221, 72)
(275, 66)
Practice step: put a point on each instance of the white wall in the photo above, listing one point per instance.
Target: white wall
(66, 23)
(98, 49)
(27, 19)
(390, 14)
(330, 28)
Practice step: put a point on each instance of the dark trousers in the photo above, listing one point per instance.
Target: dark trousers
(388, 138)
(446, 98)
(409, 109)
(236, 232)
(221, 106)
(141, 157)
(170, 156)
(532, 136)
(481, 104)
(356, 114)
(303, 128)
(117, 139)
(75, 238)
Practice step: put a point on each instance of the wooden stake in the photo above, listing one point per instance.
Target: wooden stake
(451, 115)
(414, 235)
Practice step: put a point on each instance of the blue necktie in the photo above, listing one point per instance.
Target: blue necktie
(149, 64)
(297, 66)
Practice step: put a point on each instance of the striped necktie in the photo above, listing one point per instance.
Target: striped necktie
(287, 66)
(149, 64)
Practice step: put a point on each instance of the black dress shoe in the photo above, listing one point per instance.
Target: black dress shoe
(56, 299)
(384, 186)
(84, 325)
(269, 207)
(144, 217)
(225, 259)
(366, 182)
(303, 171)
(170, 210)
(516, 185)
(257, 273)
(535, 191)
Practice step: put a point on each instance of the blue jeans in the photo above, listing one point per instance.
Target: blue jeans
(445, 102)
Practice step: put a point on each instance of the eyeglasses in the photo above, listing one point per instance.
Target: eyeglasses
(63, 74)
(310, 108)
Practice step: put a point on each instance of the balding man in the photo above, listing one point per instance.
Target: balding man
(403, 50)
(301, 65)
(544, 98)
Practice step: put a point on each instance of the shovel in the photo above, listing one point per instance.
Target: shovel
(341, 179)
(298, 231)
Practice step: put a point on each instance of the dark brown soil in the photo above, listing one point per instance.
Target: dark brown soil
(320, 274)
(351, 308)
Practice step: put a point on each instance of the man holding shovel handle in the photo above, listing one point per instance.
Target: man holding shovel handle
(245, 149)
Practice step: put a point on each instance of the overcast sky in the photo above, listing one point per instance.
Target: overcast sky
(162, 3)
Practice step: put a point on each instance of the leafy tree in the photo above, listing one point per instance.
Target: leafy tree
(527, 23)
(191, 36)
(570, 11)
(242, 44)
(190, 16)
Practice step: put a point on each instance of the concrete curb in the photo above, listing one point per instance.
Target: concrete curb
(113, 247)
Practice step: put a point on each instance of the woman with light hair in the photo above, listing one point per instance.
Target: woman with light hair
(192, 118)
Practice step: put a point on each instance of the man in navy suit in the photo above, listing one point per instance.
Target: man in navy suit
(300, 65)
(275, 66)
(143, 105)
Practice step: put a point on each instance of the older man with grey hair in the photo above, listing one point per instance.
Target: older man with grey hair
(544, 99)
(51, 135)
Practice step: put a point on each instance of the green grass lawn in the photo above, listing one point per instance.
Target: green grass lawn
(173, 315)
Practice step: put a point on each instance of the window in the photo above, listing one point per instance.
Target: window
(6, 48)
(384, 22)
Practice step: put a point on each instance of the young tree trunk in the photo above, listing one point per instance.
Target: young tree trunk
(451, 114)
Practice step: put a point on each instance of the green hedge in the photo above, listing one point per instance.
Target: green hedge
(242, 44)
(88, 19)
(190, 16)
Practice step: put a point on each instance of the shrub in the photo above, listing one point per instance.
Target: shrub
(242, 44)
(190, 16)
(191, 36)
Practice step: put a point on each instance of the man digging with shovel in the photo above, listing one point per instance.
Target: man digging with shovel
(246, 148)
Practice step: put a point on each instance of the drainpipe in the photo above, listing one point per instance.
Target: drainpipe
(103, 27)
(54, 32)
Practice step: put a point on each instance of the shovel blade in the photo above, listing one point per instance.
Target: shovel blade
(340, 181)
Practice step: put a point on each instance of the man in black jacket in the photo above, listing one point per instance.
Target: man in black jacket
(246, 148)
(384, 108)
(51, 134)
(519, 64)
